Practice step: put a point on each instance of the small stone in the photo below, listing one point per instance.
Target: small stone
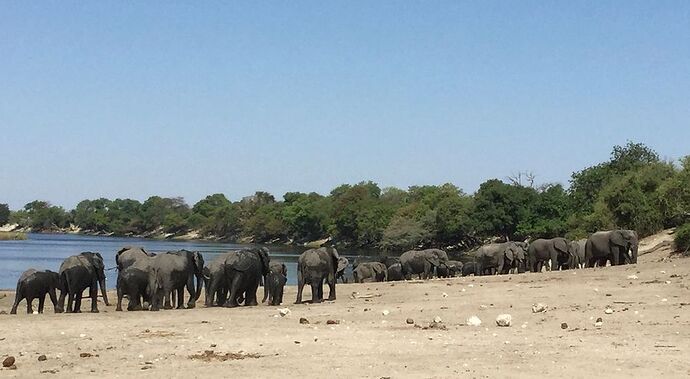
(9, 361)
(474, 321)
(564, 325)
(471, 285)
(385, 312)
(148, 363)
(437, 320)
(42, 358)
(303, 320)
(599, 322)
(332, 322)
(297, 342)
(213, 345)
(504, 320)
(141, 356)
(664, 300)
(444, 295)
(539, 307)
(204, 321)
(34, 312)
(668, 282)
(608, 311)
(82, 335)
(283, 312)
(85, 355)
(409, 321)
(632, 277)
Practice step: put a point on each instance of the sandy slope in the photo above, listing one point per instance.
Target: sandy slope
(648, 335)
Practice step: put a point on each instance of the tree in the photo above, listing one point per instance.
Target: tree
(548, 213)
(168, 214)
(500, 208)
(403, 234)
(42, 216)
(4, 214)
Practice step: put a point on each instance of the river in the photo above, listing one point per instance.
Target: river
(47, 251)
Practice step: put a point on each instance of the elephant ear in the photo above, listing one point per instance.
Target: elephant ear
(618, 238)
(342, 263)
(433, 260)
(510, 255)
(239, 261)
(283, 269)
(561, 245)
(335, 258)
(262, 253)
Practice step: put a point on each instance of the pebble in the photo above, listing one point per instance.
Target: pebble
(332, 322)
(504, 320)
(599, 322)
(9, 361)
(608, 311)
(539, 307)
(444, 295)
(42, 358)
(385, 312)
(283, 312)
(564, 325)
(437, 319)
(633, 276)
(303, 320)
(409, 321)
(474, 321)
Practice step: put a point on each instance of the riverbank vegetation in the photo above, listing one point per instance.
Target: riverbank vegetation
(12, 236)
(634, 189)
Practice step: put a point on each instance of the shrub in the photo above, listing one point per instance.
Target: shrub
(682, 239)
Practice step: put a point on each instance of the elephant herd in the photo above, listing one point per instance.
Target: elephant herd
(154, 281)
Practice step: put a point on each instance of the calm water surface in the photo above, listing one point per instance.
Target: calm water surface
(47, 251)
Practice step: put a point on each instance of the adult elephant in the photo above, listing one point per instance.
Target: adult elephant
(553, 253)
(77, 273)
(504, 257)
(243, 271)
(370, 272)
(422, 262)
(133, 281)
(34, 284)
(173, 271)
(576, 251)
(618, 246)
(274, 283)
(395, 272)
(126, 256)
(315, 266)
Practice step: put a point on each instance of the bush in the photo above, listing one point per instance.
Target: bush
(682, 239)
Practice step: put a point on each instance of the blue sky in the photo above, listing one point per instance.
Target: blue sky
(188, 99)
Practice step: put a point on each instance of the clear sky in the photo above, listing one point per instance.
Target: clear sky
(132, 99)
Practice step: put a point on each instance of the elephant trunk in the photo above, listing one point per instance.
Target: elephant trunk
(633, 253)
(199, 283)
(103, 291)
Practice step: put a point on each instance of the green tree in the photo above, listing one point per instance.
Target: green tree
(42, 216)
(168, 214)
(93, 215)
(4, 214)
(500, 208)
(404, 233)
(305, 216)
(548, 213)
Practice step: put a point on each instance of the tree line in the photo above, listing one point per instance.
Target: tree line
(634, 189)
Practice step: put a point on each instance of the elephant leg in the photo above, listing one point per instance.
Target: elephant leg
(180, 298)
(192, 293)
(77, 301)
(315, 289)
(615, 256)
(70, 303)
(554, 262)
(250, 296)
(29, 307)
(234, 287)
(167, 304)
(93, 293)
(53, 299)
(41, 302)
(120, 295)
(300, 286)
(266, 292)
(331, 288)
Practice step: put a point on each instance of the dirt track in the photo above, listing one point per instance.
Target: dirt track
(647, 335)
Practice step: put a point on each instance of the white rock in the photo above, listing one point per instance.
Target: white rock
(633, 276)
(598, 324)
(608, 311)
(539, 307)
(504, 320)
(385, 312)
(444, 295)
(471, 285)
(437, 319)
(662, 272)
(283, 312)
(35, 312)
(463, 290)
(664, 300)
(668, 282)
(474, 321)
(141, 356)
(82, 335)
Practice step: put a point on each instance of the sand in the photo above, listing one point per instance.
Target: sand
(646, 335)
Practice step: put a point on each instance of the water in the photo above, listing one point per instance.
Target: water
(47, 251)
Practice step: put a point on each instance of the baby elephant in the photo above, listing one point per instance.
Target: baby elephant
(36, 284)
(275, 283)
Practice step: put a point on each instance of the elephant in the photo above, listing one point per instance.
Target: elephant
(421, 262)
(553, 251)
(243, 271)
(449, 269)
(470, 268)
(126, 256)
(370, 272)
(78, 272)
(618, 246)
(214, 281)
(172, 272)
(34, 284)
(395, 272)
(274, 283)
(576, 251)
(315, 266)
(504, 257)
(133, 281)
(342, 265)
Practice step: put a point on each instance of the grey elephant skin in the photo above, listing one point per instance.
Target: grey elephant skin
(215, 282)
(315, 266)
(552, 253)
(34, 284)
(126, 256)
(395, 272)
(173, 272)
(576, 251)
(78, 273)
(503, 257)
(618, 246)
(133, 281)
(470, 268)
(422, 262)
(449, 269)
(274, 283)
(370, 272)
(242, 273)
(342, 265)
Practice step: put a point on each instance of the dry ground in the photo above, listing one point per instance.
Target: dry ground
(647, 335)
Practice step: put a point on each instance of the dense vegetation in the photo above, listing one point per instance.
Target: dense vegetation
(634, 189)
